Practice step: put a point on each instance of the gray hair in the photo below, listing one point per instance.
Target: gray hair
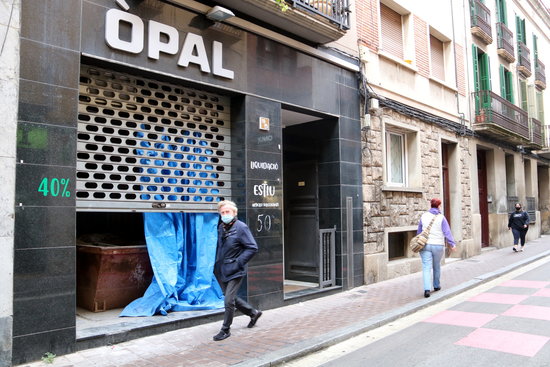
(228, 203)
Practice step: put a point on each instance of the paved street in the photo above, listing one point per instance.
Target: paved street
(288, 332)
(505, 322)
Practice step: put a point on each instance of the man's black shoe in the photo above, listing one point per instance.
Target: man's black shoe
(437, 289)
(254, 318)
(221, 335)
(426, 294)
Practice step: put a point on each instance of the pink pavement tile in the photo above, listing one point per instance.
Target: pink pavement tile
(525, 284)
(460, 318)
(505, 341)
(545, 292)
(507, 299)
(529, 312)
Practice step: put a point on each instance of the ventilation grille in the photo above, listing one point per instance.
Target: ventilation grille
(145, 145)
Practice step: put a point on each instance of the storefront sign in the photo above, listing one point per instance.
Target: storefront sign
(163, 38)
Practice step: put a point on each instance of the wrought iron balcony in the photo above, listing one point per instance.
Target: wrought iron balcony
(537, 140)
(318, 21)
(524, 65)
(480, 16)
(505, 42)
(337, 11)
(500, 119)
(540, 75)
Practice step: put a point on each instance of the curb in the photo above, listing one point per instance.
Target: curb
(336, 336)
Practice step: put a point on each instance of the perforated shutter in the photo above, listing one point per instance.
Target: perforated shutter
(437, 58)
(392, 31)
(149, 145)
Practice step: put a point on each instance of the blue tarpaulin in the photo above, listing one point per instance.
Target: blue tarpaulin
(182, 250)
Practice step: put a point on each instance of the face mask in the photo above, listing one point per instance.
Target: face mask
(518, 208)
(227, 218)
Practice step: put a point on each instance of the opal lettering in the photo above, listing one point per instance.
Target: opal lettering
(162, 38)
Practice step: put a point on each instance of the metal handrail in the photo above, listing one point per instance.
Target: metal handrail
(493, 109)
(337, 11)
(540, 73)
(480, 16)
(505, 38)
(524, 55)
(536, 132)
(327, 257)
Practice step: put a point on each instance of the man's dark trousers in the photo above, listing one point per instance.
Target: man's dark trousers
(231, 301)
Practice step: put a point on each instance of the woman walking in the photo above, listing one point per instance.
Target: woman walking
(432, 253)
(519, 224)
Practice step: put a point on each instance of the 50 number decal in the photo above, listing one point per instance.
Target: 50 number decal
(264, 223)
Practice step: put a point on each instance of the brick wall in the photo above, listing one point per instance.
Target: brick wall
(368, 23)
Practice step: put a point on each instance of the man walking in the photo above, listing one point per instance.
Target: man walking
(236, 247)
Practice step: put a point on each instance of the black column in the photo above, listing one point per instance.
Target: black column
(44, 259)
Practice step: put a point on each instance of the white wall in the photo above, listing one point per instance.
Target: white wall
(9, 80)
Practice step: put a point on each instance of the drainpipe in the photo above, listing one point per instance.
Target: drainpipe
(460, 114)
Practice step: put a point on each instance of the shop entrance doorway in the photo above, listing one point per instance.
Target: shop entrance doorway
(310, 169)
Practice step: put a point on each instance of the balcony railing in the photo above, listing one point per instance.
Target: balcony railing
(505, 42)
(540, 74)
(337, 11)
(524, 65)
(536, 133)
(496, 116)
(481, 21)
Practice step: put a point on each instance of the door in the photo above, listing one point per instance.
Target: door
(445, 176)
(301, 224)
(483, 206)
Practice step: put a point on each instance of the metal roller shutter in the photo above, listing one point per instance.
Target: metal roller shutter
(144, 145)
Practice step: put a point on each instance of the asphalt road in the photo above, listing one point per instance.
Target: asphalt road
(505, 322)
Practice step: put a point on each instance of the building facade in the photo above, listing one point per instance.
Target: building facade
(137, 106)
(435, 126)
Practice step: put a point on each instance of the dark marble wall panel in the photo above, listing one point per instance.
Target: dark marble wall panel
(49, 64)
(44, 258)
(46, 144)
(45, 103)
(44, 23)
(265, 279)
(31, 347)
(39, 227)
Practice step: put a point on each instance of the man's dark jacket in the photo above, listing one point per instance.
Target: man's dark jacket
(236, 247)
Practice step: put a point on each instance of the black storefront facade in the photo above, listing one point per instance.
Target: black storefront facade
(272, 128)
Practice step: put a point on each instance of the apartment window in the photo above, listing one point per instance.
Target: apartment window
(482, 76)
(396, 159)
(437, 58)
(523, 94)
(506, 86)
(520, 30)
(391, 27)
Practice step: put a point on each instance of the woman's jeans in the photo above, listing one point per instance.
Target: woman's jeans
(431, 259)
(519, 234)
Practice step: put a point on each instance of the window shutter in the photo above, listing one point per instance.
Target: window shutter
(502, 81)
(523, 94)
(476, 77)
(531, 102)
(392, 31)
(485, 71)
(509, 86)
(437, 58)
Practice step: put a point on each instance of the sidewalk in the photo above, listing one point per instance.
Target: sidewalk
(295, 330)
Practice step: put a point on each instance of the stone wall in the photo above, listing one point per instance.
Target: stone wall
(9, 80)
(387, 209)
